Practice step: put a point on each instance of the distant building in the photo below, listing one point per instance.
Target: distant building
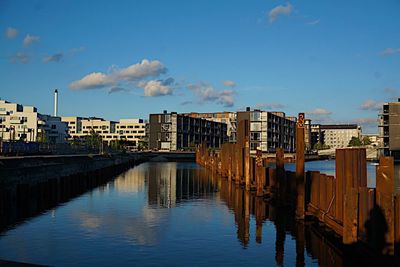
(307, 134)
(335, 135)
(374, 139)
(269, 130)
(225, 117)
(130, 131)
(173, 131)
(24, 123)
(389, 126)
(317, 135)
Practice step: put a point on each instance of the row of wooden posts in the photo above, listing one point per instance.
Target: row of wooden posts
(342, 202)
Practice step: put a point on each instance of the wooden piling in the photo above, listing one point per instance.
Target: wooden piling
(260, 174)
(300, 178)
(385, 197)
(350, 219)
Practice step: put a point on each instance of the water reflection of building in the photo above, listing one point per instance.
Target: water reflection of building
(307, 239)
(169, 184)
(131, 181)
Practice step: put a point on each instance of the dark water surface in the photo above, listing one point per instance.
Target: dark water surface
(166, 214)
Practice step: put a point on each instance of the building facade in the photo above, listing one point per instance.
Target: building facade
(339, 135)
(389, 129)
(173, 131)
(225, 117)
(269, 130)
(317, 135)
(24, 123)
(131, 131)
(307, 135)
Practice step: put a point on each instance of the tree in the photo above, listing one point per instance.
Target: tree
(94, 140)
(321, 146)
(143, 144)
(355, 141)
(366, 141)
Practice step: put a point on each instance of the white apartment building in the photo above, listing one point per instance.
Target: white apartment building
(339, 136)
(24, 123)
(129, 130)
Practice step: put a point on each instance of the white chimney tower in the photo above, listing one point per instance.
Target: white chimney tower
(55, 103)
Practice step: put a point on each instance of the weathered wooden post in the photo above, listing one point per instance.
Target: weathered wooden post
(260, 206)
(351, 170)
(300, 184)
(280, 175)
(246, 160)
(385, 197)
(260, 174)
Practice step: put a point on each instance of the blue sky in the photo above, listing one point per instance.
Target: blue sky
(335, 60)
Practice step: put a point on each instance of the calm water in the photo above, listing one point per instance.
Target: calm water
(165, 214)
(329, 167)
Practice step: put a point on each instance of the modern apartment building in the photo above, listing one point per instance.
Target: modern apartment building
(339, 135)
(269, 130)
(173, 131)
(24, 123)
(225, 117)
(128, 130)
(389, 129)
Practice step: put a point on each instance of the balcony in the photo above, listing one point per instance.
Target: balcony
(16, 121)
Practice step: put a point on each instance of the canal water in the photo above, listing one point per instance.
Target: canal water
(166, 214)
(329, 167)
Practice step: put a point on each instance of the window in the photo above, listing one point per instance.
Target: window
(255, 126)
(255, 116)
(255, 136)
(167, 118)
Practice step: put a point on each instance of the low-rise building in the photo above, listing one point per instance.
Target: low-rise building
(173, 131)
(24, 123)
(339, 135)
(131, 131)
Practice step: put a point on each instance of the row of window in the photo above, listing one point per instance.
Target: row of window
(130, 126)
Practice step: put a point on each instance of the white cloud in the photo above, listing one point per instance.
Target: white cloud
(277, 11)
(142, 70)
(390, 51)
(371, 105)
(184, 103)
(76, 50)
(116, 89)
(229, 83)
(30, 39)
(319, 112)
(206, 93)
(312, 23)
(20, 57)
(92, 81)
(136, 72)
(11, 33)
(155, 88)
(366, 121)
(269, 106)
(53, 58)
(389, 90)
(226, 98)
